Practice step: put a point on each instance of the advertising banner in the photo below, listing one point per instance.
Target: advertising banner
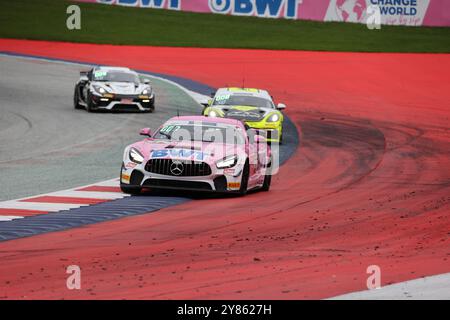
(390, 12)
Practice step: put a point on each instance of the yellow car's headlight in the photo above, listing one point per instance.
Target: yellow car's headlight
(273, 118)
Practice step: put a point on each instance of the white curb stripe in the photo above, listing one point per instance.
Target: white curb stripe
(90, 194)
(107, 183)
(9, 218)
(435, 287)
(40, 206)
(55, 207)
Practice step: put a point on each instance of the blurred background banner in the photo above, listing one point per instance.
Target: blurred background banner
(392, 12)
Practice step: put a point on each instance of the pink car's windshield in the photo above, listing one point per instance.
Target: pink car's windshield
(203, 132)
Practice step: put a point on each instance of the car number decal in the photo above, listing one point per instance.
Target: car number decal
(100, 74)
(169, 128)
(223, 97)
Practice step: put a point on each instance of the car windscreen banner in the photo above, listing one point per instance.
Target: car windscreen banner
(391, 12)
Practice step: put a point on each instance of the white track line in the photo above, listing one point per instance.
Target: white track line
(428, 288)
(110, 183)
(40, 206)
(9, 218)
(107, 183)
(198, 97)
(89, 194)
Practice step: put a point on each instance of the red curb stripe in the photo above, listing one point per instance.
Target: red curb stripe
(52, 199)
(20, 212)
(101, 189)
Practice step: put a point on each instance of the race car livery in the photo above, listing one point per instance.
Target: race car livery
(253, 106)
(198, 153)
(113, 89)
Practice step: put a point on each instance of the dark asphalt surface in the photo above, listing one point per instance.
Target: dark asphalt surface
(46, 145)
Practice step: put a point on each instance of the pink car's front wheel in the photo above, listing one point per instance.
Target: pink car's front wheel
(244, 180)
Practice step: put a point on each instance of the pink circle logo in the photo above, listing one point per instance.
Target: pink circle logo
(351, 10)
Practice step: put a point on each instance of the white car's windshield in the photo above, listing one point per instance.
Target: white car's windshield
(242, 100)
(115, 76)
(201, 132)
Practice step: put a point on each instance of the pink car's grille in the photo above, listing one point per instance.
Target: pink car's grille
(178, 168)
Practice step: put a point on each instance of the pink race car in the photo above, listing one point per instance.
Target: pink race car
(198, 153)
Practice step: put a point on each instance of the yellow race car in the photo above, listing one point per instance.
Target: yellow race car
(255, 107)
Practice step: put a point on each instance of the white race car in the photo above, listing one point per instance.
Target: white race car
(113, 89)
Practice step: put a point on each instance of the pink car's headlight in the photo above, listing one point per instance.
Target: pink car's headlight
(136, 156)
(227, 162)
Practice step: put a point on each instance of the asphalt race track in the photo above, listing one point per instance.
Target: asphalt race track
(369, 185)
(80, 158)
(47, 145)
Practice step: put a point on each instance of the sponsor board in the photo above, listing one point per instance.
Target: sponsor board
(393, 12)
(158, 4)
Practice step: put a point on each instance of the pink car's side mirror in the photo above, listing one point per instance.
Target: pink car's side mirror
(146, 132)
(259, 139)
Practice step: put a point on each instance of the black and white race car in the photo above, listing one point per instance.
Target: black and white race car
(113, 89)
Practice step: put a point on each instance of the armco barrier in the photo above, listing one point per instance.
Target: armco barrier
(393, 12)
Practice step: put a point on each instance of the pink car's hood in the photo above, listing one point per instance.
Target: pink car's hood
(209, 152)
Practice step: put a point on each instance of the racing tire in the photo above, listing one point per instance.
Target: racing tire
(281, 135)
(267, 178)
(244, 181)
(76, 99)
(267, 181)
(130, 190)
(152, 108)
(89, 107)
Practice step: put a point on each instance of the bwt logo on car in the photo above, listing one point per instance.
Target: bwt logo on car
(178, 153)
(260, 8)
(161, 4)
